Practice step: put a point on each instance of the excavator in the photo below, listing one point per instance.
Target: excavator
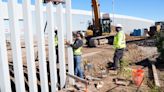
(99, 31)
(55, 2)
(157, 28)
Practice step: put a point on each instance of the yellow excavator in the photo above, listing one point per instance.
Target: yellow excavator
(55, 2)
(157, 28)
(99, 31)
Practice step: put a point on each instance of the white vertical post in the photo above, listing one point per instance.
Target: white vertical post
(16, 48)
(52, 51)
(69, 38)
(29, 45)
(5, 85)
(41, 45)
(61, 45)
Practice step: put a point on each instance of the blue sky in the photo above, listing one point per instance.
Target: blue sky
(149, 9)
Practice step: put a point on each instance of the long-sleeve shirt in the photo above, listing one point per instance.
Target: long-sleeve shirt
(78, 43)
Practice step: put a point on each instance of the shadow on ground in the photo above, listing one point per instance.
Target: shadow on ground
(144, 63)
(110, 90)
(159, 64)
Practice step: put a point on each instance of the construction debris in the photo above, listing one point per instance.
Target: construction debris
(99, 85)
(113, 72)
(78, 79)
(90, 78)
(121, 81)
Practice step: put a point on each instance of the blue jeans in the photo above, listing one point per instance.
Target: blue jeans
(77, 66)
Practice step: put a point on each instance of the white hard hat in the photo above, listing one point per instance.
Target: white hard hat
(119, 25)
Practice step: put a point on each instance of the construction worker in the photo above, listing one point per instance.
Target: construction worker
(56, 44)
(77, 52)
(119, 45)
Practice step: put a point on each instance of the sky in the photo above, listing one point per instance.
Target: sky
(148, 9)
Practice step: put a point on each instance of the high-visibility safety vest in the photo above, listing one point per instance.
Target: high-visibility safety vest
(78, 51)
(119, 40)
(56, 40)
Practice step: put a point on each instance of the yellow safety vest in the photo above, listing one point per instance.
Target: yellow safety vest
(77, 51)
(119, 40)
(56, 40)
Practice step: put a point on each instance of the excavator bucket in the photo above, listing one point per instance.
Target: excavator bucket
(55, 2)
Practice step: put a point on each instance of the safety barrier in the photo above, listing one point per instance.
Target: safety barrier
(5, 83)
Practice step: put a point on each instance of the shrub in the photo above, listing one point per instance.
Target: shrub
(160, 44)
(125, 71)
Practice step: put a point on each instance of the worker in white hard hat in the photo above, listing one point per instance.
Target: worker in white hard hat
(119, 45)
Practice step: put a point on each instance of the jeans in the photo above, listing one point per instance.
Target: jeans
(117, 57)
(57, 54)
(77, 66)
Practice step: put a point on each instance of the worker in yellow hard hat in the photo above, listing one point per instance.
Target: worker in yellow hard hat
(119, 45)
(77, 52)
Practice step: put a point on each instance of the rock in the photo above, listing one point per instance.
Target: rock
(113, 72)
(99, 85)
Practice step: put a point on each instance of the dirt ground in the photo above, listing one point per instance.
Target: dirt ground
(133, 54)
(96, 66)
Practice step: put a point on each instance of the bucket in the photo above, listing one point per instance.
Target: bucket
(137, 76)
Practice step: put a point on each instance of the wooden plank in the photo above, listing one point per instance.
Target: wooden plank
(61, 47)
(155, 75)
(29, 45)
(15, 43)
(78, 78)
(5, 85)
(51, 46)
(41, 45)
(69, 38)
(121, 81)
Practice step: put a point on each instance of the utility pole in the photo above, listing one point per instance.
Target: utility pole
(113, 10)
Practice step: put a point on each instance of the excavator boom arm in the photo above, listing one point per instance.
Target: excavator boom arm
(95, 7)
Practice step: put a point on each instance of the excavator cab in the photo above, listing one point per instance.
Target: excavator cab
(106, 26)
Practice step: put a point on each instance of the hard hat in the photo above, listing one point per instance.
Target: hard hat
(119, 25)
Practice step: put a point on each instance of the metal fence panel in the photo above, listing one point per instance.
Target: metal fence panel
(15, 44)
(41, 45)
(5, 85)
(61, 45)
(29, 46)
(69, 38)
(51, 44)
